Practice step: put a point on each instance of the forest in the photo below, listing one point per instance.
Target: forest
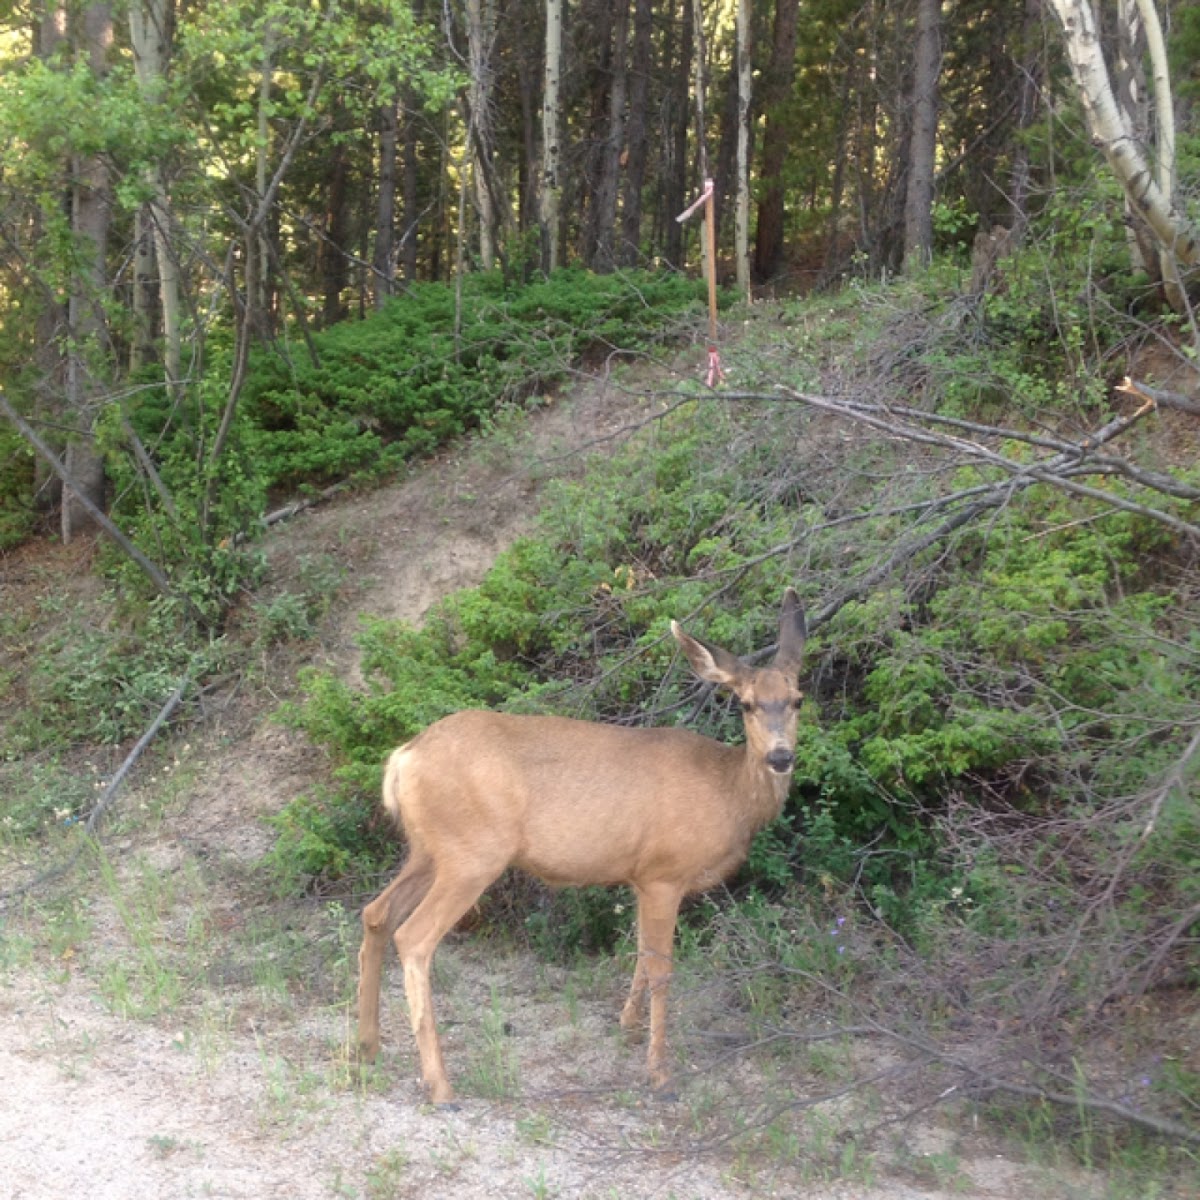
(896, 304)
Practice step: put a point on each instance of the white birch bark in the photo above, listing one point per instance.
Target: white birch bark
(1126, 155)
(742, 212)
(1164, 123)
(551, 197)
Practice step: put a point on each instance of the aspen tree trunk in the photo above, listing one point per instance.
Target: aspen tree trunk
(1164, 139)
(480, 28)
(1148, 186)
(551, 139)
(742, 218)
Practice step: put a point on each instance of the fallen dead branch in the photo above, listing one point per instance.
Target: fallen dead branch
(975, 1069)
(1060, 469)
(107, 798)
(1160, 396)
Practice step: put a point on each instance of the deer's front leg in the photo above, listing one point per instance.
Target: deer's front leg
(658, 908)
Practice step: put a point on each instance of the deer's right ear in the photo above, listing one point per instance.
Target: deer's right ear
(711, 663)
(793, 632)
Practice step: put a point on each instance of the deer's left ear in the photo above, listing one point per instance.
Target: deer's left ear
(793, 633)
(711, 663)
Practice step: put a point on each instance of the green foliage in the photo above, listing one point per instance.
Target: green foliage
(16, 488)
(103, 684)
(295, 615)
(1033, 334)
(565, 620)
(1028, 630)
(414, 375)
(574, 921)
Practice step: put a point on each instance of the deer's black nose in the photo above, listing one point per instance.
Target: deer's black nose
(781, 760)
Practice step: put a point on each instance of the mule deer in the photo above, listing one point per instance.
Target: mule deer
(665, 811)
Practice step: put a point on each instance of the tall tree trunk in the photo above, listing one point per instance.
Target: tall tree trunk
(1129, 90)
(52, 318)
(636, 135)
(528, 170)
(410, 174)
(742, 220)
(922, 143)
(866, 152)
(144, 291)
(258, 247)
(551, 219)
(837, 186)
(1143, 181)
(151, 27)
(603, 211)
(1138, 33)
(1029, 73)
(411, 196)
(777, 136)
(384, 259)
(335, 273)
(90, 211)
(489, 197)
(724, 171)
(594, 124)
(676, 169)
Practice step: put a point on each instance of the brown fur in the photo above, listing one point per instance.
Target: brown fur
(665, 811)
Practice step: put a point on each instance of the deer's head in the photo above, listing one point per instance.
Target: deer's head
(769, 696)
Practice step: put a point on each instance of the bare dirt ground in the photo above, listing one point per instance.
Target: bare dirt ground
(169, 1032)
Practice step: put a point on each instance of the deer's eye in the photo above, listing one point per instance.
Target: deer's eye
(747, 706)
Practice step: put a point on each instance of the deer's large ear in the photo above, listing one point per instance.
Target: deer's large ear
(711, 663)
(793, 632)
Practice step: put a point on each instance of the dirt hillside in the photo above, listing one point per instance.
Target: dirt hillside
(168, 1031)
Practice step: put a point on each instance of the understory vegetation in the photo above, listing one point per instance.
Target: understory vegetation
(990, 858)
(993, 821)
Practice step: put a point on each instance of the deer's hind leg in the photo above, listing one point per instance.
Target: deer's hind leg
(381, 918)
(635, 1005)
(452, 893)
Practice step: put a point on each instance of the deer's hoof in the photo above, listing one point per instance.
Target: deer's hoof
(441, 1096)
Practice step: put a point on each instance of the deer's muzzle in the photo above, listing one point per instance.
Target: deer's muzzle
(781, 760)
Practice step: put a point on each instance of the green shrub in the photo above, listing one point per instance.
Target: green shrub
(16, 488)
(414, 375)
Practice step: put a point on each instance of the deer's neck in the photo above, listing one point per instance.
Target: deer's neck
(761, 791)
